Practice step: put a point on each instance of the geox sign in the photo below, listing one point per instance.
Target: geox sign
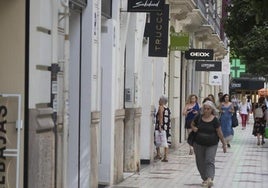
(208, 66)
(145, 5)
(199, 54)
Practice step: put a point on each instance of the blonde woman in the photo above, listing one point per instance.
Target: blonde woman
(190, 110)
(244, 111)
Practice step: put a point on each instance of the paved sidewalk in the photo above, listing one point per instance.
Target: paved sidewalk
(245, 165)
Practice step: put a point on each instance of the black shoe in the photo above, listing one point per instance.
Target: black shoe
(262, 142)
(228, 145)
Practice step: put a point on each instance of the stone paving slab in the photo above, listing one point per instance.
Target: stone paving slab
(245, 165)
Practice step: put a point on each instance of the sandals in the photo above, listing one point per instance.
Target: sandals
(164, 160)
(157, 157)
(208, 183)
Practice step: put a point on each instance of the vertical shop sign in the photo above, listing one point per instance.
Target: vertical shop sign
(3, 121)
(10, 131)
(157, 31)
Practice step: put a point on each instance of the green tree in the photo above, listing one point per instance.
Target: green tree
(247, 28)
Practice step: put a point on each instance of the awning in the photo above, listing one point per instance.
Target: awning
(246, 84)
(263, 92)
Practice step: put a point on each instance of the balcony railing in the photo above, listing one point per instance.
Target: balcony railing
(201, 5)
(209, 10)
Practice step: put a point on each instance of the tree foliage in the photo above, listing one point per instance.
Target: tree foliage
(247, 28)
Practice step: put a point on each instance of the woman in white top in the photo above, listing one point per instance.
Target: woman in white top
(243, 111)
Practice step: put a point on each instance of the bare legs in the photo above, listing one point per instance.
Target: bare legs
(158, 154)
(191, 148)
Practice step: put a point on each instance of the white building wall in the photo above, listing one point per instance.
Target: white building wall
(124, 25)
(134, 60)
(41, 52)
(92, 29)
(113, 39)
(146, 104)
(74, 96)
(108, 85)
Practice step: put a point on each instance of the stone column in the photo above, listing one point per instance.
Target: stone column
(41, 149)
(94, 149)
(119, 145)
(132, 140)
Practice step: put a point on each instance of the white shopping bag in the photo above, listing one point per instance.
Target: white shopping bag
(161, 138)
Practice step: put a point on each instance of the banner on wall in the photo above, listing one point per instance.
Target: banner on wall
(145, 5)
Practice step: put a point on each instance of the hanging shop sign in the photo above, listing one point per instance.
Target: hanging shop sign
(179, 41)
(215, 78)
(199, 54)
(208, 66)
(145, 5)
(157, 31)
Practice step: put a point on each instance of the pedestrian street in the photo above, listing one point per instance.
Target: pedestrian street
(245, 165)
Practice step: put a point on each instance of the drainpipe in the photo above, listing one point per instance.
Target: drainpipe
(65, 4)
(54, 79)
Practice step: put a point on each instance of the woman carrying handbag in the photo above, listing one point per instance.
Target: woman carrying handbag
(208, 133)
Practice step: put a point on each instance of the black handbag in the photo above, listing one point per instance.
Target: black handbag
(234, 121)
(192, 134)
(191, 138)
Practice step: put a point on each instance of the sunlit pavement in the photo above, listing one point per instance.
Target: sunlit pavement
(245, 165)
